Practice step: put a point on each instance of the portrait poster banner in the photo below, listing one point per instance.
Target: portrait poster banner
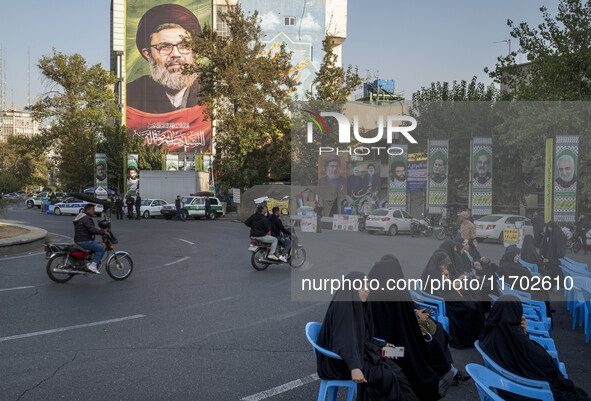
(171, 162)
(481, 175)
(565, 178)
(437, 181)
(161, 102)
(548, 179)
(100, 170)
(417, 172)
(398, 168)
(332, 170)
(132, 172)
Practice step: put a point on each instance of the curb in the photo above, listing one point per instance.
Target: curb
(23, 243)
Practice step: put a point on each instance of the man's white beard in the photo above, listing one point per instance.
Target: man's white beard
(172, 81)
(482, 170)
(332, 176)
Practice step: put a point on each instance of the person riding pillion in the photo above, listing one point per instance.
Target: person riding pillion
(260, 228)
(277, 229)
(84, 232)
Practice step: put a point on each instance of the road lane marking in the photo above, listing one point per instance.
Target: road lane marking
(79, 326)
(17, 288)
(21, 256)
(184, 240)
(177, 261)
(281, 389)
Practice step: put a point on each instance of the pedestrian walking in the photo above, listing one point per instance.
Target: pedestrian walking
(318, 209)
(178, 204)
(119, 207)
(138, 206)
(207, 207)
(129, 203)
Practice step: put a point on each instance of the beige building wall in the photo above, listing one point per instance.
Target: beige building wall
(17, 123)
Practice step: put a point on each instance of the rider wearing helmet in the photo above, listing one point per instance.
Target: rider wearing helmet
(84, 232)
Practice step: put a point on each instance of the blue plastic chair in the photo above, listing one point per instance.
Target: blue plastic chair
(539, 326)
(489, 363)
(488, 383)
(435, 303)
(332, 386)
(550, 347)
(532, 266)
(586, 292)
(578, 265)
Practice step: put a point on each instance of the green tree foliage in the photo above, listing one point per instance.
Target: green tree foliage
(24, 159)
(9, 183)
(77, 105)
(116, 144)
(558, 69)
(247, 89)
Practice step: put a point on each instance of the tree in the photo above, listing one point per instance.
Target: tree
(116, 144)
(24, 160)
(78, 104)
(248, 96)
(558, 69)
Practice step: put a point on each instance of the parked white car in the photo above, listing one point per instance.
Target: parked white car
(492, 226)
(152, 207)
(390, 221)
(74, 206)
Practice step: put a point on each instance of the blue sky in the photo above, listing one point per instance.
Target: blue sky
(413, 42)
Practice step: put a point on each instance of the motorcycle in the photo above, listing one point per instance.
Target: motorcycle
(446, 229)
(574, 242)
(423, 226)
(260, 252)
(67, 260)
(361, 222)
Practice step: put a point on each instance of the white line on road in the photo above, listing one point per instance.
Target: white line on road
(281, 389)
(22, 256)
(80, 326)
(17, 288)
(177, 261)
(184, 240)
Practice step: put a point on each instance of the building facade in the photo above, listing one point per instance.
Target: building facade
(17, 123)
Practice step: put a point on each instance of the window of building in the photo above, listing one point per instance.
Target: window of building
(289, 21)
(222, 26)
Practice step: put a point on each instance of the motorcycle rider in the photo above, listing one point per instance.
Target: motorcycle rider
(259, 229)
(277, 228)
(84, 232)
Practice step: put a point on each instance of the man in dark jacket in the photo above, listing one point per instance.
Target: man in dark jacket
(538, 223)
(178, 205)
(277, 229)
(119, 208)
(207, 207)
(259, 229)
(84, 232)
(129, 203)
(138, 206)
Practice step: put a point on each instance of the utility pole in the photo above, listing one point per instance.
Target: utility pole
(29, 76)
(508, 41)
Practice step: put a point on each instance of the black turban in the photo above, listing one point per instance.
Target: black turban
(164, 14)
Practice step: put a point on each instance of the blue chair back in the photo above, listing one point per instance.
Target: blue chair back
(312, 332)
(489, 363)
(488, 382)
(532, 266)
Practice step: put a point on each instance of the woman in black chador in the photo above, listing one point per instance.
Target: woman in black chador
(347, 330)
(528, 251)
(552, 248)
(505, 341)
(395, 320)
(465, 316)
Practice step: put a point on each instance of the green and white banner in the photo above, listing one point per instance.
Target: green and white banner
(565, 178)
(398, 168)
(437, 181)
(100, 170)
(171, 162)
(481, 176)
(132, 171)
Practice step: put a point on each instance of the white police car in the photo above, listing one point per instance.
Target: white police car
(74, 206)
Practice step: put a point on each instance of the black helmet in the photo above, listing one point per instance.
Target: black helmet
(104, 224)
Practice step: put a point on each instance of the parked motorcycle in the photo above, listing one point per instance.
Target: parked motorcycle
(574, 242)
(422, 226)
(446, 229)
(260, 252)
(361, 222)
(66, 260)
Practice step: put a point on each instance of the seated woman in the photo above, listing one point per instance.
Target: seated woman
(395, 321)
(529, 252)
(482, 265)
(457, 267)
(505, 341)
(347, 330)
(465, 316)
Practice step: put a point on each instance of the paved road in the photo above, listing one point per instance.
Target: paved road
(194, 321)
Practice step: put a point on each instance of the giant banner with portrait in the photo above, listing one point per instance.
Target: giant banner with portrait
(565, 178)
(100, 170)
(132, 172)
(398, 168)
(437, 181)
(162, 102)
(481, 175)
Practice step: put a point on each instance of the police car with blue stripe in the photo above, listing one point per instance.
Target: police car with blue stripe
(74, 206)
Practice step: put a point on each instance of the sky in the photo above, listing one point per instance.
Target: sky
(413, 42)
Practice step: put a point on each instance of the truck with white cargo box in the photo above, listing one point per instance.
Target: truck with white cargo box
(157, 184)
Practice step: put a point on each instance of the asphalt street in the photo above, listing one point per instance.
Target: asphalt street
(194, 320)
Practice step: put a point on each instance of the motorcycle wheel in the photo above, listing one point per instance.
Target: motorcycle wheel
(256, 263)
(428, 232)
(413, 232)
(439, 233)
(119, 266)
(54, 262)
(576, 246)
(298, 258)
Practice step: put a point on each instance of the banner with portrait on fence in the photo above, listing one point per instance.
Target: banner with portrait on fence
(565, 178)
(438, 171)
(481, 174)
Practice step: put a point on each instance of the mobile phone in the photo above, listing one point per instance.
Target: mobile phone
(393, 352)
